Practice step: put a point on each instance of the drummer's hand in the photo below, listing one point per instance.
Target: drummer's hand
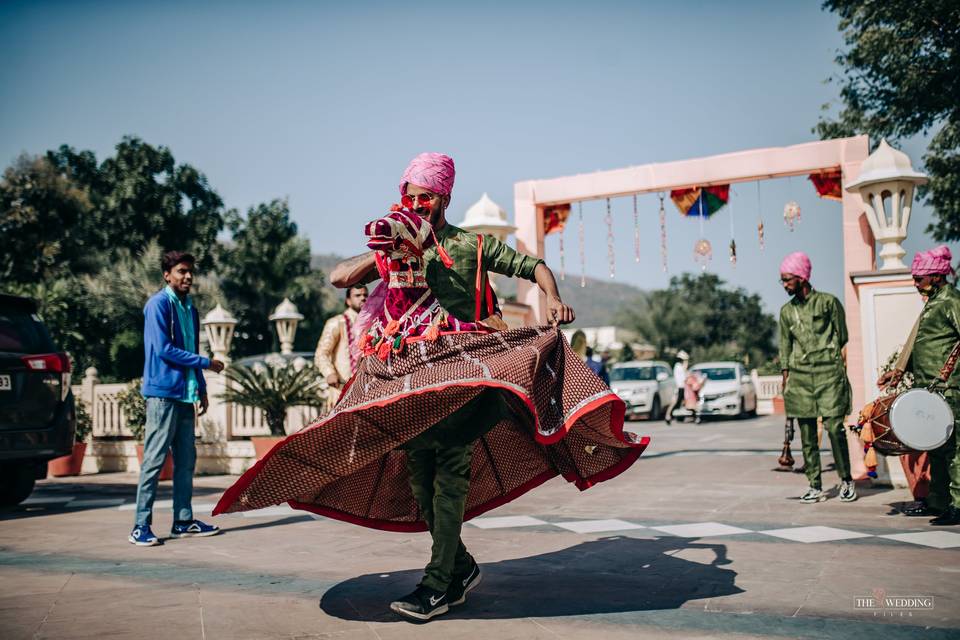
(890, 378)
(333, 380)
(783, 383)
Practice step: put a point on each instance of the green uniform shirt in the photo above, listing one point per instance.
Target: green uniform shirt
(937, 334)
(455, 289)
(813, 332)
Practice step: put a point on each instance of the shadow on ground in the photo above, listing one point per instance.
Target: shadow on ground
(608, 575)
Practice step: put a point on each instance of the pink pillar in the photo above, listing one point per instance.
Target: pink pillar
(529, 236)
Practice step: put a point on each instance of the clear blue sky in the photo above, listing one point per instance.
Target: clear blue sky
(325, 103)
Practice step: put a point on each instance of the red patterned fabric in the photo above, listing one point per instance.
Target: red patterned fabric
(348, 466)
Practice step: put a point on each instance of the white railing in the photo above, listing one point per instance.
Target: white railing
(768, 388)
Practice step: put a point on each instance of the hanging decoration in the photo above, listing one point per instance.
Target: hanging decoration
(636, 231)
(827, 183)
(791, 215)
(702, 250)
(759, 218)
(563, 268)
(611, 262)
(583, 255)
(701, 201)
(702, 253)
(663, 234)
(733, 241)
(555, 218)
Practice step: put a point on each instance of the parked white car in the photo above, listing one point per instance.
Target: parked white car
(646, 386)
(728, 391)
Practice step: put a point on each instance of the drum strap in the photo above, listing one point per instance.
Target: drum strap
(904, 357)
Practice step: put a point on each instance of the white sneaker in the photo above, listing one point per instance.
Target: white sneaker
(813, 495)
(848, 491)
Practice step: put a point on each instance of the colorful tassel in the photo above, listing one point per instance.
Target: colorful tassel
(383, 352)
(392, 327)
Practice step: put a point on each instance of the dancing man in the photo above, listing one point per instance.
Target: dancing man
(937, 334)
(448, 415)
(813, 335)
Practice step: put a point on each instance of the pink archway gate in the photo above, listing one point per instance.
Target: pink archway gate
(844, 154)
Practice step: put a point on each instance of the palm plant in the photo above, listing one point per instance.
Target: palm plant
(273, 390)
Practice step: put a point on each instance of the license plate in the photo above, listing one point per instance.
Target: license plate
(5, 383)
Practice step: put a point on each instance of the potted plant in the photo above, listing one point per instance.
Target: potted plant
(134, 407)
(70, 464)
(273, 389)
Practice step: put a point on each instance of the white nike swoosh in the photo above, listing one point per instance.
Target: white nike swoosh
(435, 600)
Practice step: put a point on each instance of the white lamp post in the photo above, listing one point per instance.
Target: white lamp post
(287, 317)
(219, 326)
(887, 181)
(486, 216)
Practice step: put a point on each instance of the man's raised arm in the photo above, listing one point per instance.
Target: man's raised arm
(354, 271)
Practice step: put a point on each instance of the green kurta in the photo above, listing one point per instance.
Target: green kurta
(938, 332)
(813, 332)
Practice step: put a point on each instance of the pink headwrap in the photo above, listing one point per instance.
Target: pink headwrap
(433, 171)
(932, 262)
(797, 264)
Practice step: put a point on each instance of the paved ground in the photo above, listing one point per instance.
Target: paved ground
(700, 539)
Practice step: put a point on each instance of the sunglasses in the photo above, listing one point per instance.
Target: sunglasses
(421, 199)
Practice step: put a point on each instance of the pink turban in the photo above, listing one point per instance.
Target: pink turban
(932, 262)
(797, 264)
(433, 171)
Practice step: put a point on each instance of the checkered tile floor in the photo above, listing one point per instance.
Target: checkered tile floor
(938, 539)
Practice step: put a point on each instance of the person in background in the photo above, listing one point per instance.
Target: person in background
(813, 335)
(337, 354)
(679, 379)
(172, 384)
(597, 365)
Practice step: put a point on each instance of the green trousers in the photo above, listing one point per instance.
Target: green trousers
(440, 480)
(811, 447)
(945, 474)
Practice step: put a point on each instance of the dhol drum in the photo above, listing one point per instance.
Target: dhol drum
(915, 420)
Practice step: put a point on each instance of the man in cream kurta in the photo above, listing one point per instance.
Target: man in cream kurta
(336, 355)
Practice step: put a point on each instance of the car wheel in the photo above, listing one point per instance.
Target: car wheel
(16, 483)
(655, 412)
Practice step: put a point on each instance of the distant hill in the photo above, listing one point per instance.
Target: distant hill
(596, 304)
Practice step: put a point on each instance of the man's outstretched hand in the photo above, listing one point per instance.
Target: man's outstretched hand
(559, 313)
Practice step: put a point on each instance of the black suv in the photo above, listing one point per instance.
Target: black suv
(37, 413)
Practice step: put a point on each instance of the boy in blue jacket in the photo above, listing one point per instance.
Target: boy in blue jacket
(172, 384)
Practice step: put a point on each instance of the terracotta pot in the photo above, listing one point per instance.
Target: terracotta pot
(263, 444)
(779, 408)
(166, 472)
(68, 465)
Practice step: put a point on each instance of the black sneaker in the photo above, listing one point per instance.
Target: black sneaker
(461, 584)
(423, 604)
(949, 518)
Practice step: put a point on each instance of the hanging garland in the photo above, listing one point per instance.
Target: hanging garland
(759, 218)
(583, 258)
(636, 231)
(611, 262)
(733, 241)
(663, 234)
(563, 270)
(702, 250)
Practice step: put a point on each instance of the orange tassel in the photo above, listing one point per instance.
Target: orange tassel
(444, 256)
(384, 351)
(432, 333)
(392, 327)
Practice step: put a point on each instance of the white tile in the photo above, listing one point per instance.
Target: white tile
(269, 512)
(815, 534)
(95, 503)
(30, 502)
(596, 526)
(503, 522)
(204, 507)
(938, 539)
(701, 530)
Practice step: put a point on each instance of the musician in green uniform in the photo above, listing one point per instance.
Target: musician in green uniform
(813, 334)
(937, 334)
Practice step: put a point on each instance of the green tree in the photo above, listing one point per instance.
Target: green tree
(141, 194)
(900, 76)
(699, 315)
(274, 389)
(44, 227)
(265, 262)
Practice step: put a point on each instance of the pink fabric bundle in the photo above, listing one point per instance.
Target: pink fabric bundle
(934, 261)
(797, 264)
(433, 171)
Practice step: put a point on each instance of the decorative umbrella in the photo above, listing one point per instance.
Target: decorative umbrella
(701, 201)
